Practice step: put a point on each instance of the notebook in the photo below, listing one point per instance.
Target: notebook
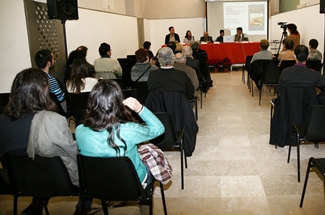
(228, 39)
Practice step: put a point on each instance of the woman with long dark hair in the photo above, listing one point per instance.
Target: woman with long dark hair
(294, 35)
(80, 81)
(188, 39)
(30, 126)
(109, 130)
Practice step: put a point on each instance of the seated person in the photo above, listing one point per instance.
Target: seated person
(142, 68)
(206, 38)
(287, 52)
(188, 39)
(180, 64)
(220, 38)
(263, 54)
(202, 57)
(172, 36)
(80, 81)
(240, 36)
(91, 69)
(117, 133)
(146, 45)
(106, 67)
(301, 76)
(26, 123)
(172, 45)
(314, 54)
(167, 78)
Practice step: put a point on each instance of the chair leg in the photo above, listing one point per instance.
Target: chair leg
(182, 165)
(196, 112)
(163, 197)
(260, 96)
(288, 160)
(15, 204)
(298, 157)
(104, 206)
(46, 210)
(201, 97)
(252, 86)
(305, 184)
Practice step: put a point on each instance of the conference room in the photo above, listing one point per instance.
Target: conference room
(233, 169)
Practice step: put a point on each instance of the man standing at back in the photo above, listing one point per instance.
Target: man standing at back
(106, 67)
(44, 59)
(166, 78)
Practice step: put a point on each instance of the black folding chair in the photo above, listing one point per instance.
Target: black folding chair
(270, 77)
(314, 64)
(311, 130)
(41, 178)
(116, 180)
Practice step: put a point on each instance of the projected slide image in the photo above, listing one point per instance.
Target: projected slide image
(256, 17)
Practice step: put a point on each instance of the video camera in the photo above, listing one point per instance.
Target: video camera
(283, 25)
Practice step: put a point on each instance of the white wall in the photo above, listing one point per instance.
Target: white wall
(159, 29)
(310, 24)
(14, 52)
(94, 28)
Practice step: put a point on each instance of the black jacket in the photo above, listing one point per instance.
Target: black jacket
(168, 37)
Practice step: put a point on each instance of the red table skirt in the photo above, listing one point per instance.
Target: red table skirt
(236, 52)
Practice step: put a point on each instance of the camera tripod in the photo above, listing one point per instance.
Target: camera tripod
(284, 35)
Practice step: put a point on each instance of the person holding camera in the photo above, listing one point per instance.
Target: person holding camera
(294, 34)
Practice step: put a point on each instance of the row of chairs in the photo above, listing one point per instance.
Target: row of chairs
(113, 179)
(265, 72)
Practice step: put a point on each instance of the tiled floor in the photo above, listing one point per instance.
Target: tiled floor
(233, 169)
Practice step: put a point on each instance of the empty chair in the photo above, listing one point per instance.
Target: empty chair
(311, 130)
(126, 74)
(117, 181)
(319, 163)
(270, 77)
(41, 177)
(286, 63)
(171, 139)
(132, 60)
(314, 64)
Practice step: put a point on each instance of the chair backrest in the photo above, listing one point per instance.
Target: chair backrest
(257, 67)
(315, 123)
(271, 75)
(110, 178)
(132, 60)
(287, 63)
(248, 60)
(314, 64)
(169, 138)
(4, 99)
(130, 93)
(143, 92)
(78, 102)
(126, 74)
(41, 177)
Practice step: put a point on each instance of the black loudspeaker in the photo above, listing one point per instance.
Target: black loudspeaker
(322, 6)
(62, 9)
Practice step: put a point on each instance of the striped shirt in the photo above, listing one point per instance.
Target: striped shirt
(55, 88)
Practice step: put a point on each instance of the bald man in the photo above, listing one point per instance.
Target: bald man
(206, 38)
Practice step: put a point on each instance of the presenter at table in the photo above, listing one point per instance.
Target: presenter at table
(172, 36)
(240, 36)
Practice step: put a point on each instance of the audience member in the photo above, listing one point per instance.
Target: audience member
(314, 54)
(141, 70)
(147, 46)
(180, 64)
(106, 67)
(206, 38)
(172, 36)
(167, 78)
(263, 54)
(202, 57)
(190, 61)
(91, 69)
(240, 36)
(110, 129)
(188, 39)
(80, 80)
(287, 53)
(179, 48)
(297, 75)
(26, 123)
(76, 54)
(220, 38)
(44, 59)
(172, 45)
(294, 35)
